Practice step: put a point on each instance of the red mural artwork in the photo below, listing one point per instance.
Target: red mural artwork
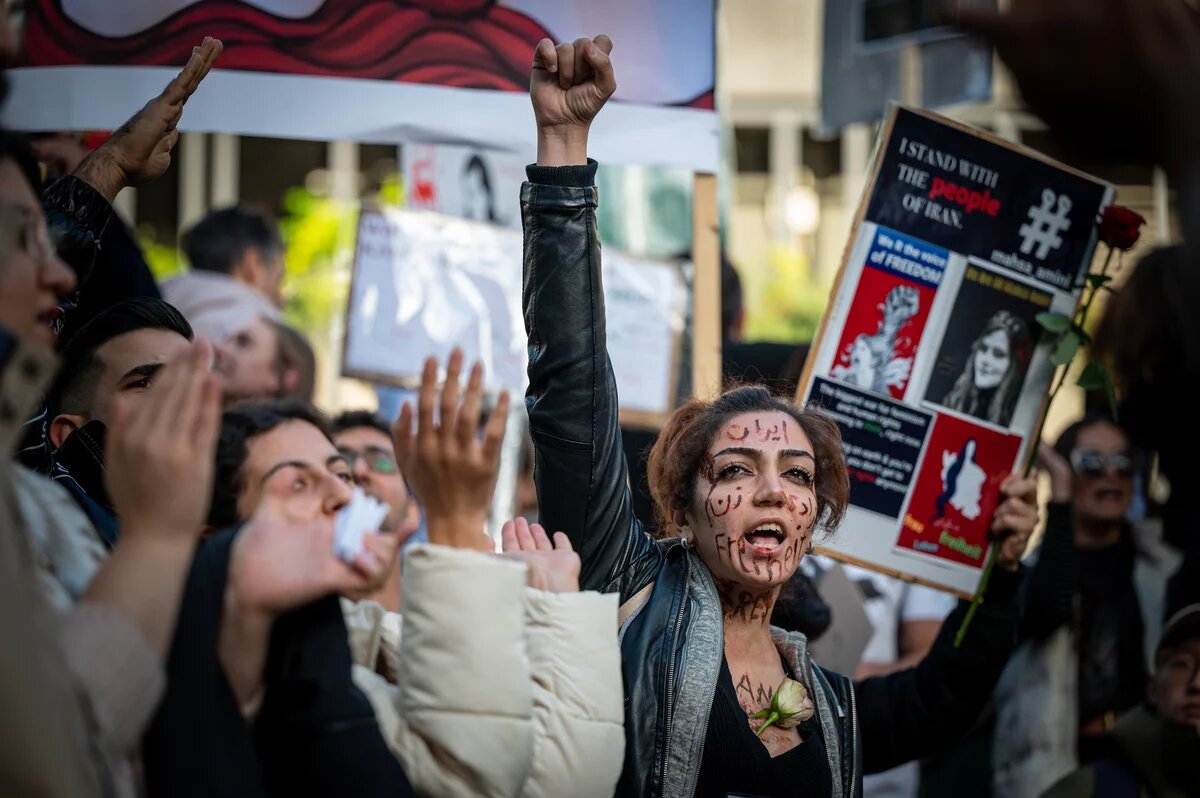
(459, 43)
(475, 44)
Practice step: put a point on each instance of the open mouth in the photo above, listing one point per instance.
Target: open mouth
(1110, 494)
(765, 539)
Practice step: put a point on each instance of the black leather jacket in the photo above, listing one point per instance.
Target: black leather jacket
(672, 644)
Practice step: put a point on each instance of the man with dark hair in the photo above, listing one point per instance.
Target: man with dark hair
(236, 276)
(240, 243)
(237, 273)
(120, 353)
(366, 443)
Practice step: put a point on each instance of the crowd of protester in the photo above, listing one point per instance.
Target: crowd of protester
(180, 617)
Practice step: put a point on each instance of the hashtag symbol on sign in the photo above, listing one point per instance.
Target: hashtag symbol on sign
(1045, 224)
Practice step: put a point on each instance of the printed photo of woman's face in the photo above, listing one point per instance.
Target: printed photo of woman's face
(992, 359)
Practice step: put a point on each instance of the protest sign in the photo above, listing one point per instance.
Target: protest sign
(424, 283)
(372, 70)
(929, 356)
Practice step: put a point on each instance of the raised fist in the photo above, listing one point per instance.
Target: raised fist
(570, 83)
(901, 304)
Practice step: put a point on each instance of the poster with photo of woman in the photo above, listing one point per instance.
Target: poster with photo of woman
(929, 356)
(985, 354)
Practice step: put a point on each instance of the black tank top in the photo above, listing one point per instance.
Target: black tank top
(736, 763)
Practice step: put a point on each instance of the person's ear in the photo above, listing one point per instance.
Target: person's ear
(289, 380)
(249, 268)
(62, 426)
(680, 521)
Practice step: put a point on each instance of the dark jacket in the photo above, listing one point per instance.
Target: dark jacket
(315, 733)
(1153, 759)
(672, 645)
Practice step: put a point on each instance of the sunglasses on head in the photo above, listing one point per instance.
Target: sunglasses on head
(1089, 463)
(378, 462)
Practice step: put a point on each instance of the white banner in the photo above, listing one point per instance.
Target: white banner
(425, 283)
(367, 70)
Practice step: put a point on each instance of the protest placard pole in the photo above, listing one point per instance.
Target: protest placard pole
(706, 288)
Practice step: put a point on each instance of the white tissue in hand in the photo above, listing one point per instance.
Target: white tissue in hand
(361, 515)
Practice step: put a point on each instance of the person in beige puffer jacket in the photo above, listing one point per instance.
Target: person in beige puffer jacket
(500, 678)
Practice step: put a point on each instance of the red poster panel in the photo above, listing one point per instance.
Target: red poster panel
(958, 489)
(882, 330)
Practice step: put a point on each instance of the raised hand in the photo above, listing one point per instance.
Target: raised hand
(1059, 470)
(553, 566)
(140, 150)
(1015, 519)
(568, 86)
(449, 468)
(159, 457)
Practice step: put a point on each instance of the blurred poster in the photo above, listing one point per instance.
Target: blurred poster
(467, 182)
(373, 70)
(424, 283)
(929, 356)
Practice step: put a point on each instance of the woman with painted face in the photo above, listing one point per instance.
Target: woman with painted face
(717, 701)
(990, 383)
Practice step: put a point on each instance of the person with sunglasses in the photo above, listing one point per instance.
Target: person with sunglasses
(366, 442)
(1094, 609)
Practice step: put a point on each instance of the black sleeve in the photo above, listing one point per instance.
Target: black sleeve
(579, 462)
(198, 743)
(108, 263)
(316, 733)
(119, 272)
(918, 712)
(1053, 585)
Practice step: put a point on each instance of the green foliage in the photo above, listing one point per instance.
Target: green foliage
(319, 235)
(1054, 322)
(1065, 349)
(165, 260)
(791, 304)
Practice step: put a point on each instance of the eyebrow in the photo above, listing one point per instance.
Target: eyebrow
(329, 462)
(275, 469)
(144, 370)
(746, 451)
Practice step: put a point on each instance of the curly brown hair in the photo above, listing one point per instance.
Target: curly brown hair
(678, 455)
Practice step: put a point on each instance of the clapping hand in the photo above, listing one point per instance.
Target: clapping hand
(450, 469)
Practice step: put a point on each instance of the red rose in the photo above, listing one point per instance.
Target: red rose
(1120, 227)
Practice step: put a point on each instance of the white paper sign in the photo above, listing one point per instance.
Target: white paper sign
(425, 283)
